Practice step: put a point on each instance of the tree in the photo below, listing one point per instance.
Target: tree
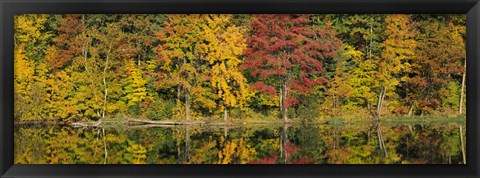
(181, 57)
(225, 44)
(33, 33)
(72, 51)
(341, 88)
(285, 54)
(23, 75)
(32, 37)
(399, 47)
(439, 56)
(71, 42)
(134, 85)
(363, 80)
(362, 35)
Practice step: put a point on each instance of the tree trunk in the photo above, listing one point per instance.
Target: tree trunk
(463, 146)
(187, 104)
(225, 114)
(381, 98)
(179, 87)
(179, 155)
(410, 111)
(283, 97)
(105, 81)
(371, 41)
(187, 144)
(95, 149)
(84, 50)
(179, 95)
(105, 147)
(138, 60)
(381, 142)
(334, 106)
(410, 128)
(460, 109)
(225, 132)
(283, 142)
(379, 104)
(335, 143)
(105, 95)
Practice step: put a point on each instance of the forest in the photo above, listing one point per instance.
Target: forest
(238, 67)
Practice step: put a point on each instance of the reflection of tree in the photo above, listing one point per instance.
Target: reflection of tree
(421, 143)
(463, 148)
(283, 144)
(105, 146)
(187, 144)
(182, 137)
(288, 152)
(381, 141)
(28, 146)
(429, 144)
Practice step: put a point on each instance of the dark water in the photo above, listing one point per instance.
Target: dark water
(274, 144)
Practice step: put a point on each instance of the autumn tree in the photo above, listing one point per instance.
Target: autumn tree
(439, 56)
(134, 86)
(91, 66)
(340, 90)
(285, 54)
(398, 51)
(91, 48)
(361, 34)
(33, 35)
(362, 80)
(224, 47)
(181, 59)
(72, 52)
(24, 73)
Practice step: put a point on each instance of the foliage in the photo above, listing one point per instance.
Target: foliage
(88, 67)
(285, 56)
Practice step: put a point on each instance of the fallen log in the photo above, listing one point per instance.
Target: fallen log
(142, 121)
(87, 124)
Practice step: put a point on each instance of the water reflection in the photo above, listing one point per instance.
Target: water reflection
(272, 144)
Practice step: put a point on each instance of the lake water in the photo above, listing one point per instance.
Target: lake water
(387, 143)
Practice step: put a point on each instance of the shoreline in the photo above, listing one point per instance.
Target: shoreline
(144, 123)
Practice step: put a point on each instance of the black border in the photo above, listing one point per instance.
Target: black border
(10, 7)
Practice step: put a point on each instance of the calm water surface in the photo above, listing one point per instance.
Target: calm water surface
(266, 144)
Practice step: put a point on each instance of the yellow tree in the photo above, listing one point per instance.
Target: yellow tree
(31, 33)
(224, 47)
(31, 39)
(62, 103)
(339, 91)
(134, 85)
(398, 47)
(362, 79)
(23, 75)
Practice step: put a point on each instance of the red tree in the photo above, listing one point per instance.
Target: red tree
(284, 52)
(71, 40)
